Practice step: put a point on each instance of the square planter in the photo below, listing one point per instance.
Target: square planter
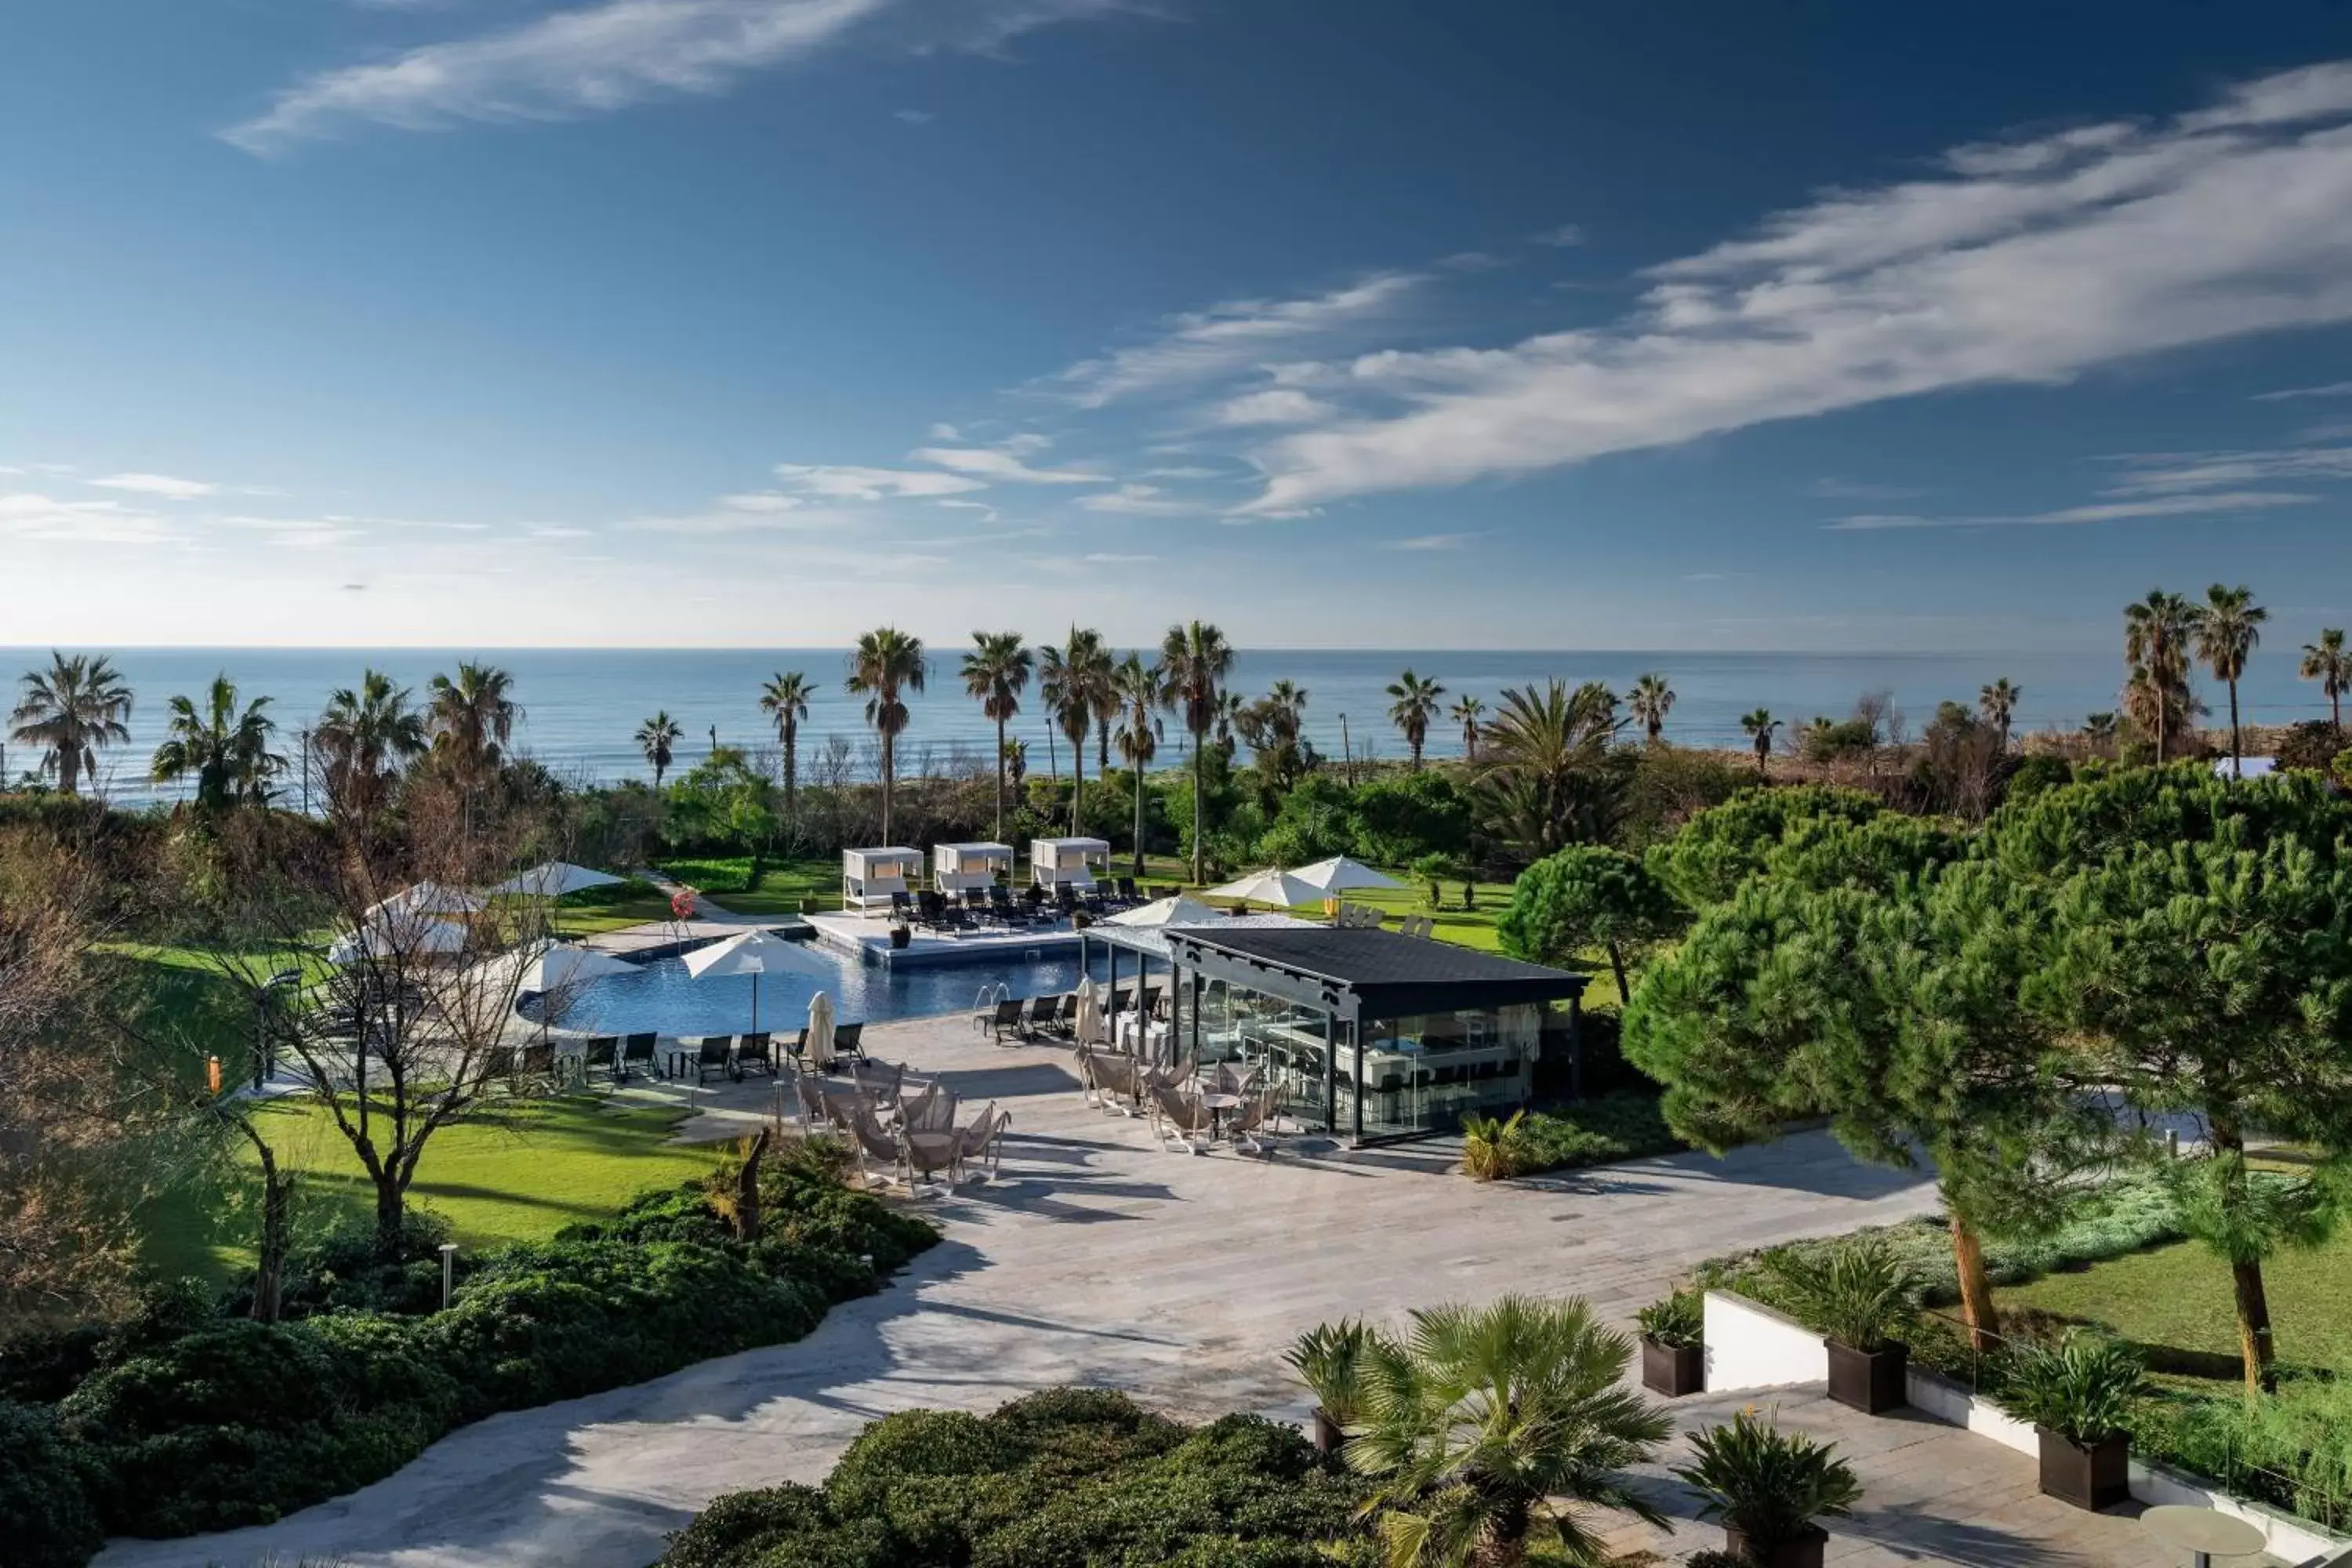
(2089, 1475)
(1672, 1370)
(1802, 1550)
(1869, 1381)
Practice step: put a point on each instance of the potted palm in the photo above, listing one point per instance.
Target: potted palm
(1767, 1488)
(1329, 1360)
(1859, 1297)
(1674, 1348)
(901, 935)
(2078, 1394)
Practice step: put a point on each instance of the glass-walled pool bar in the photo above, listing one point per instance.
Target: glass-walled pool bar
(1371, 1036)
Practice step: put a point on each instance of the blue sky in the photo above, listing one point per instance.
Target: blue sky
(1360, 323)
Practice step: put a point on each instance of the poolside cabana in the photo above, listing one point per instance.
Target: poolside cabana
(869, 876)
(1068, 862)
(1373, 1036)
(970, 868)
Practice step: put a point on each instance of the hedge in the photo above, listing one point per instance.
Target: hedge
(176, 1423)
(1068, 1478)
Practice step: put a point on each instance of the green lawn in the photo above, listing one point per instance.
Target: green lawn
(2176, 1298)
(594, 909)
(562, 1161)
(782, 883)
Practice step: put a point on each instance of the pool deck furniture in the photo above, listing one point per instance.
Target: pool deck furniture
(976, 868)
(971, 942)
(872, 878)
(1073, 863)
(2203, 1532)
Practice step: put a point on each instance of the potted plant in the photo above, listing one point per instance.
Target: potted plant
(1767, 1488)
(1329, 1360)
(1858, 1296)
(900, 935)
(2078, 1394)
(1673, 1349)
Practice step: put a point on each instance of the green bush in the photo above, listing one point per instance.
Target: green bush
(2292, 1449)
(2082, 1388)
(51, 1522)
(1068, 1478)
(1677, 1319)
(1624, 1125)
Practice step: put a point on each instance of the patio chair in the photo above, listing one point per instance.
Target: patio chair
(798, 1049)
(1117, 1002)
(1043, 1010)
(1152, 995)
(814, 1112)
(1116, 1087)
(877, 1144)
(1066, 1023)
(933, 1111)
(1065, 897)
(985, 1136)
(640, 1049)
(1179, 1115)
(901, 906)
(753, 1053)
(715, 1054)
(1007, 1017)
(1000, 905)
(880, 1082)
(600, 1051)
(847, 1040)
(1127, 890)
(1254, 1123)
(1230, 1079)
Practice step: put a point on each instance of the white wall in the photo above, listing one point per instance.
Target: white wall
(1751, 1346)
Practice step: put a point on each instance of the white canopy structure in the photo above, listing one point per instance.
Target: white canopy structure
(392, 935)
(1068, 862)
(869, 877)
(756, 953)
(1270, 886)
(553, 879)
(560, 965)
(1341, 875)
(963, 867)
(425, 899)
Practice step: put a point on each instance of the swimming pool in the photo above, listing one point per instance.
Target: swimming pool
(664, 998)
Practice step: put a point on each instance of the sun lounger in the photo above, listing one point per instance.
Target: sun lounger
(637, 1049)
(753, 1053)
(847, 1041)
(1006, 1019)
(1040, 1016)
(715, 1054)
(600, 1051)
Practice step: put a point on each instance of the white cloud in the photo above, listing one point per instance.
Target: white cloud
(945, 432)
(1141, 501)
(2029, 262)
(1110, 558)
(2157, 473)
(2198, 505)
(598, 59)
(45, 518)
(913, 116)
(1275, 405)
(760, 501)
(163, 485)
(1834, 488)
(2332, 389)
(1566, 234)
(1434, 542)
(1201, 344)
(836, 481)
(991, 463)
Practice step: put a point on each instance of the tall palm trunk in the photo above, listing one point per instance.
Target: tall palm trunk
(999, 780)
(889, 777)
(792, 776)
(1078, 780)
(1139, 819)
(69, 769)
(2237, 768)
(1199, 738)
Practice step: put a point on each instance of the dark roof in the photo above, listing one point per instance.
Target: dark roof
(1389, 974)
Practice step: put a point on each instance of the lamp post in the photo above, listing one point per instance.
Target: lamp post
(264, 1058)
(449, 1271)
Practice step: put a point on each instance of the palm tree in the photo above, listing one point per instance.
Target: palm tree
(1998, 703)
(472, 719)
(2099, 728)
(1481, 1426)
(657, 738)
(227, 751)
(1466, 711)
(1138, 685)
(2229, 629)
(1651, 700)
(997, 671)
(1076, 681)
(1537, 755)
(1415, 706)
(367, 735)
(785, 700)
(1014, 754)
(1760, 726)
(72, 710)
(886, 663)
(2157, 632)
(1229, 711)
(2327, 662)
(1194, 660)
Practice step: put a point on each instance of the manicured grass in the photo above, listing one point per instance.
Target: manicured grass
(551, 1164)
(594, 909)
(2176, 1298)
(782, 883)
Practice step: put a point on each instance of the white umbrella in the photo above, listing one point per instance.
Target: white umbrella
(561, 964)
(755, 952)
(1183, 910)
(428, 899)
(555, 879)
(1271, 887)
(1340, 875)
(819, 1041)
(1087, 1026)
(394, 935)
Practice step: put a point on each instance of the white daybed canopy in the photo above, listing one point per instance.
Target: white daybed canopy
(869, 877)
(961, 868)
(1072, 862)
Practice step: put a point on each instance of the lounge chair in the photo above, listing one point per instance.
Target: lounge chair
(640, 1049)
(1127, 890)
(901, 908)
(933, 1111)
(984, 1137)
(1041, 1010)
(1116, 1085)
(1067, 1022)
(876, 1143)
(1255, 1119)
(715, 1054)
(753, 1053)
(600, 1051)
(1000, 905)
(881, 1083)
(847, 1041)
(814, 1112)
(1179, 1115)
(798, 1049)
(1006, 1019)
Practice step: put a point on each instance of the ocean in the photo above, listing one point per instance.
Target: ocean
(581, 706)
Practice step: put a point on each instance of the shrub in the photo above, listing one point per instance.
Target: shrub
(2033, 775)
(1623, 1125)
(1861, 1294)
(341, 1270)
(1677, 1321)
(2312, 744)
(51, 1522)
(2080, 1388)
(1329, 1360)
(1493, 1149)
(1768, 1484)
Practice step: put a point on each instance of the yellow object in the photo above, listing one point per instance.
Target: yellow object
(212, 1074)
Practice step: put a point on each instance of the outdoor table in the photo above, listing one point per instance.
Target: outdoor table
(2204, 1532)
(1216, 1103)
(677, 1060)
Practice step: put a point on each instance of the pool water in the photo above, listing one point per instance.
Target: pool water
(664, 998)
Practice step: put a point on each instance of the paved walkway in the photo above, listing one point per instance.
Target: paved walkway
(1099, 1258)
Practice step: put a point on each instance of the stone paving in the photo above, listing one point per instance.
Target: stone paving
(1098, 1258)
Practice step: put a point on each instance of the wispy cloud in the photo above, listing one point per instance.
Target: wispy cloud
(994, 463)
(598, 59)
(1236, 335)
(2156, 473)
(2031, 261)
(2198, 505)
(1274, 405)
(1141, 501)
(163, 485)
(1834, 488)
(1112, 558)
(2331, 389)
(837, 482)
(1563, 237)
(1435, 541)
(913, 116)
(46, 518)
